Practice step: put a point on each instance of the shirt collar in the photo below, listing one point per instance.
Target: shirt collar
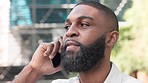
(114, 75)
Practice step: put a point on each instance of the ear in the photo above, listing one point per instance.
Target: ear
(111, 38)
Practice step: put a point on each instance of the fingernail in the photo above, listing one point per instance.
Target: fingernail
(51, 57)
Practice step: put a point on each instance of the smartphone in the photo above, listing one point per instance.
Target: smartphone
(56, 60)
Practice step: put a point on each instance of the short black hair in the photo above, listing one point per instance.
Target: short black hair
(107, 12)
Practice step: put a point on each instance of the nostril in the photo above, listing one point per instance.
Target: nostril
(71, 34)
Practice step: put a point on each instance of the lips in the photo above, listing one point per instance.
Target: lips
(70, 42)
(72, 45)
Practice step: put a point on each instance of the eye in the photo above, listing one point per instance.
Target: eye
(84, 25)
(67, 27)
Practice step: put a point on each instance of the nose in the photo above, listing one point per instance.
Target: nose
(72, 32)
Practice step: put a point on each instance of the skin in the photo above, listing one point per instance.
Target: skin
(84, 27)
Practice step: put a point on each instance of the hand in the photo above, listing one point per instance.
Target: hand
(42, 57)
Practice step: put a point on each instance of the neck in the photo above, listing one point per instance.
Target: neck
(96, 75)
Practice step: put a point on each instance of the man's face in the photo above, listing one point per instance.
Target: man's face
(84, 59)
(84, 41)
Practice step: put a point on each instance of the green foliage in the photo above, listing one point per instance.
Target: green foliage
(124, 37)
(131, 51)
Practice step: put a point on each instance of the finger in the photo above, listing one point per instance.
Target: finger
(55, 49)
(41, 49)
(61, 43)
(59, 68)
(49, 48)
(54, 70)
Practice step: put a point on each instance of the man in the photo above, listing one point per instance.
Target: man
(92, 32)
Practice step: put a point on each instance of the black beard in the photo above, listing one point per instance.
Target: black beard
(85, 59)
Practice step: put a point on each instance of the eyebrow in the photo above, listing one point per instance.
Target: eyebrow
(80, 18)
(85, 17)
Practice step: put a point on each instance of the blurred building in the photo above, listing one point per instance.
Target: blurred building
(36, 21)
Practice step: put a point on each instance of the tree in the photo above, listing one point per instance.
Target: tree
(131, 51)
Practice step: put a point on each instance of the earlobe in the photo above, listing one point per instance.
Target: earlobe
(112, 38)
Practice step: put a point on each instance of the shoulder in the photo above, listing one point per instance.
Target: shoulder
(70, 80)
(129, 79)
(116, 76)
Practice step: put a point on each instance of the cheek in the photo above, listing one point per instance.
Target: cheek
(88, 38)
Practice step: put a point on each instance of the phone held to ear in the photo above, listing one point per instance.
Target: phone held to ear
(56, 60)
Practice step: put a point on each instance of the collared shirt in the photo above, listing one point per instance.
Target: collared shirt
(115, 76)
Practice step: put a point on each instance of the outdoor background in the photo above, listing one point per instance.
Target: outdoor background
(24, 24)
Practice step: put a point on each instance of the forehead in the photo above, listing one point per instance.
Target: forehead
(85, 10)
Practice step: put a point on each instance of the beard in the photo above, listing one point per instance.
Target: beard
(84, 59)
